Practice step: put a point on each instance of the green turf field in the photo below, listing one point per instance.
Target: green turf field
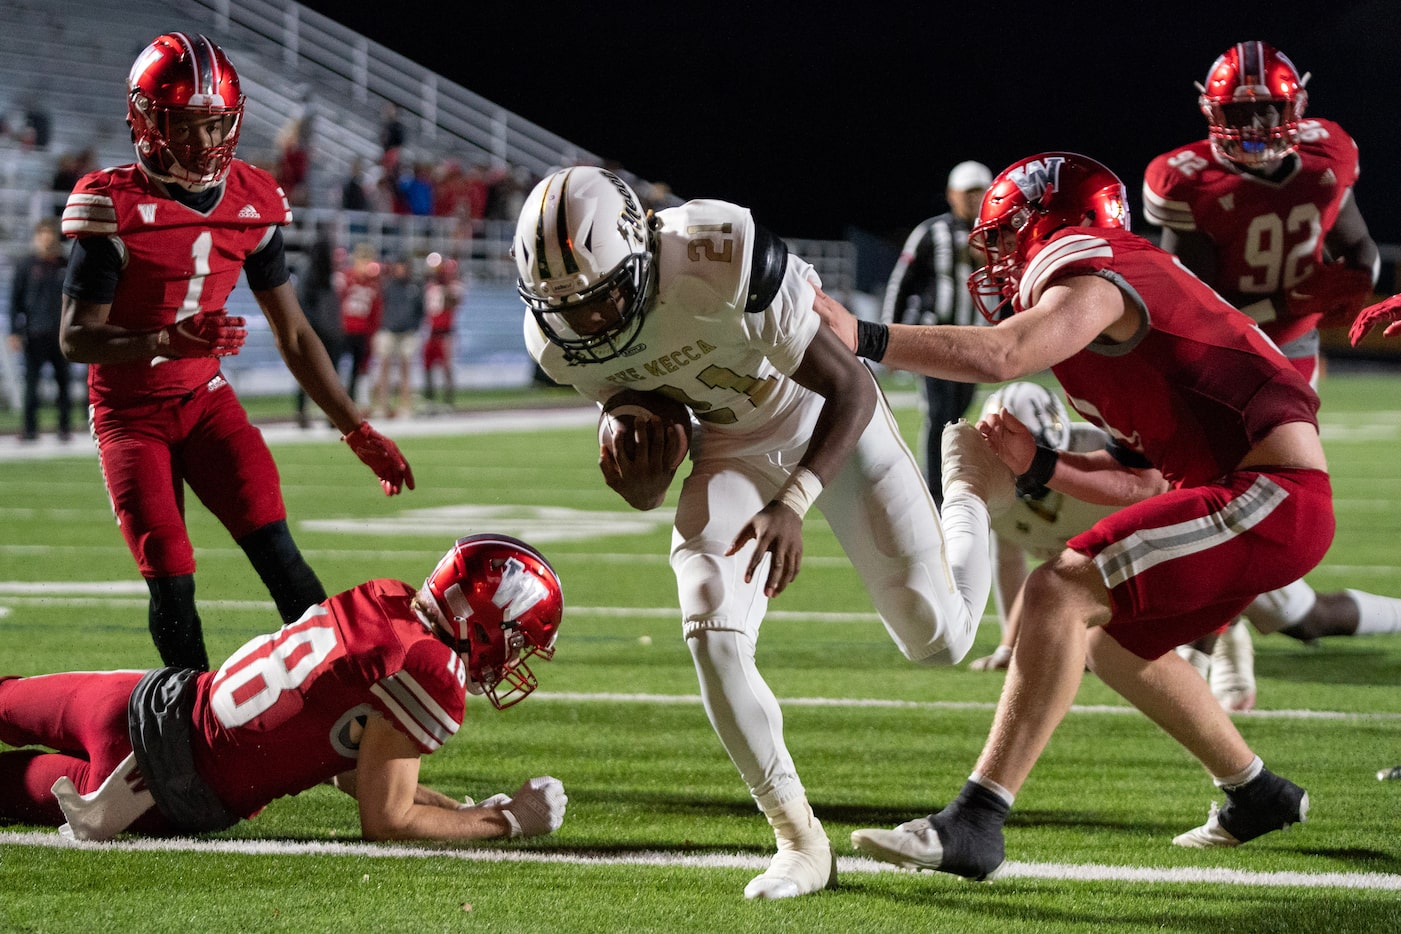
(661, 834)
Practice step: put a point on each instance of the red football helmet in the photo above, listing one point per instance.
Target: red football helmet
(500, 604)
(1253, 99)
(1030, 200)
(185, 110)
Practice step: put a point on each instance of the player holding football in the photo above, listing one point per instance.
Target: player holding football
(354, 692)
(704, 306)
(1149, 353)
(1263, 211)
(159, 246)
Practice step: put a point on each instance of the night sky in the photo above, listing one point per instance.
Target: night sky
(852, 114)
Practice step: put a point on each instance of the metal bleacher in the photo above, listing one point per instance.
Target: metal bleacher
(69, 61)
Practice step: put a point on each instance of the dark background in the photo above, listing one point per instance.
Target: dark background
(821, 120)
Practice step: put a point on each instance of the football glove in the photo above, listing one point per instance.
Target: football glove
(1388, 311)
(1335, 291)
(537, 807)
(203, 334)
(382, 456)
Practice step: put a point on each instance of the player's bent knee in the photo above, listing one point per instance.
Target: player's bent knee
(928, 631)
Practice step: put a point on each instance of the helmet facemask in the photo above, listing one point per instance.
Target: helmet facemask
(1253, 100)
(622, 299)
(584, 253)
(994, 284)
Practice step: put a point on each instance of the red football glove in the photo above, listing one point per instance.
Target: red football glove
(382, 456)
(1389, 311)
(203, 334)
(1335, 291)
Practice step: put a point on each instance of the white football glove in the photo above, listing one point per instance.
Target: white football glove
(537, 807)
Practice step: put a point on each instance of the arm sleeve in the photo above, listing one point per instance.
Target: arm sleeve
(94, 266)
(266, 267)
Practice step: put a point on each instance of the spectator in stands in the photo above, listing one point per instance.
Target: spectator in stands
(396, 342)
(317, 291)
(70, 167)
(392, 137)
(416, 189)
(362, 306)
(442, 293)
(293, 161)
(354, 197)
(36, 302)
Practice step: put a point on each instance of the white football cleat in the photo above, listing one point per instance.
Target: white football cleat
(1232, 675)
(1263, 805)
(796, 871)
(805, 862)
(915, 844)
(912, 845)
(102, 814)
(970, 465)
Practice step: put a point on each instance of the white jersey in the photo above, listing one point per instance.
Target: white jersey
(697, 344)
(733, 369)
(1041, 527)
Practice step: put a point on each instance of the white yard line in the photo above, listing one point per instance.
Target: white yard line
(1070, 872)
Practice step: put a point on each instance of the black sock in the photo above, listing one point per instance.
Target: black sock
(174, 623)
(970, 831)
(291, 581)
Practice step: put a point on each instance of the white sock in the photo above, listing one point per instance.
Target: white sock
(978, 778)
(1243, 777)
(1375, 614)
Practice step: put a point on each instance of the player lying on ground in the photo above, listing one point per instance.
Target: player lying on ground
(354, 692)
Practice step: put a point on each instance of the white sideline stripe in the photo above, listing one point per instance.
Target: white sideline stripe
(51, 593)
(858, 702)
(850, 864)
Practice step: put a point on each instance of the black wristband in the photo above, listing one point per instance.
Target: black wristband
(1043, 466)
(871, 338)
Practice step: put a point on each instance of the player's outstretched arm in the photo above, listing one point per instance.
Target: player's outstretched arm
(306, 357)
(392, 808)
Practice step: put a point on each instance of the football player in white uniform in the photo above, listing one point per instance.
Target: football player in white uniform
(1042, 520)
(702, 305)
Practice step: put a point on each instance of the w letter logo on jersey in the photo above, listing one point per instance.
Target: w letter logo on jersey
(518, 591)
(1038, 177)
(147, 212)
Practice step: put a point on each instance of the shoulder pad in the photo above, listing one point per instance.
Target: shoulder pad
(768, 261)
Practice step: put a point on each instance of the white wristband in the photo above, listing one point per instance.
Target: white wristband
(799, 490)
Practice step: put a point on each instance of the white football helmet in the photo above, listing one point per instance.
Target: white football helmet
(583, 250)
(1036, 407)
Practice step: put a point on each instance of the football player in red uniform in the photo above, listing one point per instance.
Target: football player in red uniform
(1263, 211)
(1146, 351)
(355, 691)
(159, 245)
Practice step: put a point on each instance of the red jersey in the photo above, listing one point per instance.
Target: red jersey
(362, 302)
(277, 718)
(440, 301)
(1268, 233)
(1197, 387)
(177, 262)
